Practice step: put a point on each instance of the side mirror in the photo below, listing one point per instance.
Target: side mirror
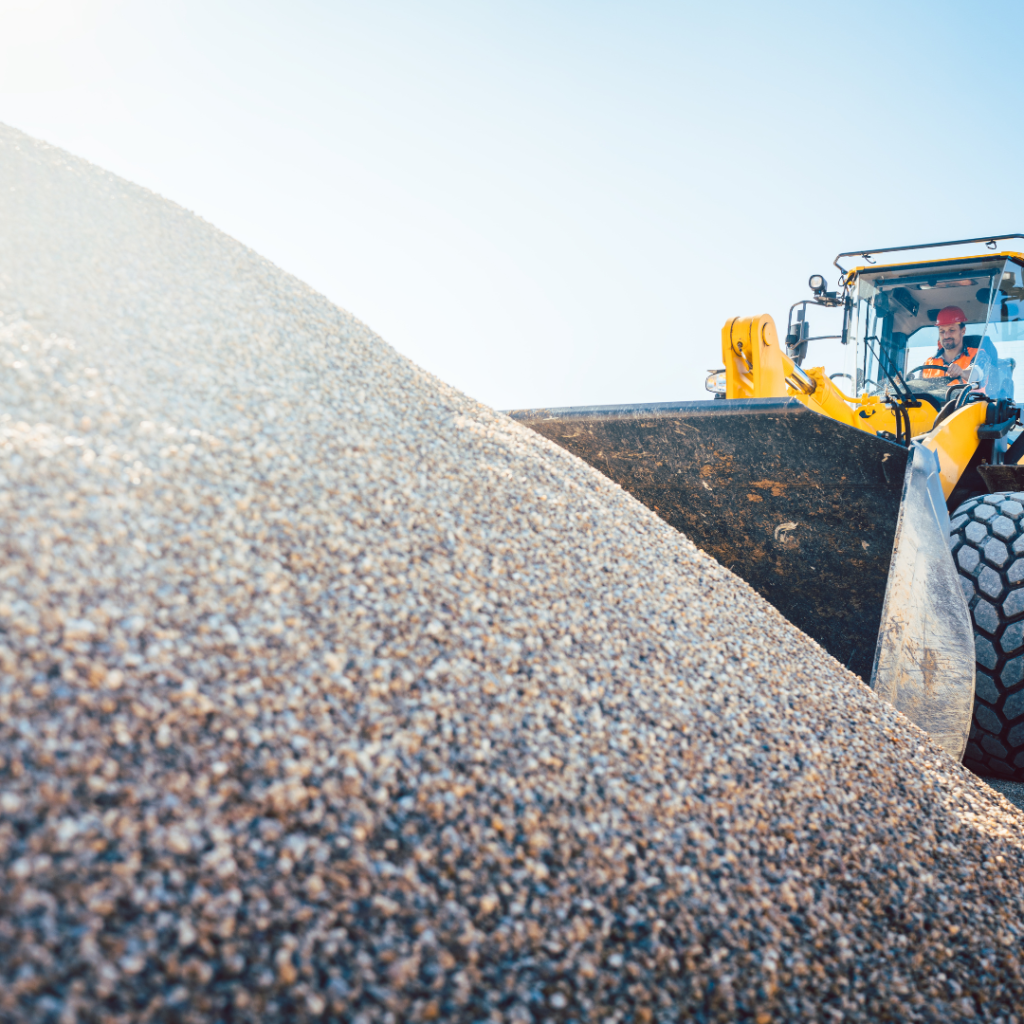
(796, 340)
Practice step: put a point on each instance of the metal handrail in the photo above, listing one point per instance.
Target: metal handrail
(989, 240)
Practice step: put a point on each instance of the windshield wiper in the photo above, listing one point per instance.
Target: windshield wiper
(899, 385)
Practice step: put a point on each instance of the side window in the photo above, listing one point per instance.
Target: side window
(1004, 333)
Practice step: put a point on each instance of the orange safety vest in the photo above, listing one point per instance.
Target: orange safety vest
(940, 364)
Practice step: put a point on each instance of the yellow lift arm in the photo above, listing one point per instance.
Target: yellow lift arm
(757, 367)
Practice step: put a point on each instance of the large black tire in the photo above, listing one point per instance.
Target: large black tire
(987, 541)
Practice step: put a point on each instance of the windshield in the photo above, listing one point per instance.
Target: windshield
(894, 314)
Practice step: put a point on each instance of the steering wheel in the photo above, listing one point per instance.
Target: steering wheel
(910, 373)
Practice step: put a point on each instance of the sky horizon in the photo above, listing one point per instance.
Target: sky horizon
(541, 204)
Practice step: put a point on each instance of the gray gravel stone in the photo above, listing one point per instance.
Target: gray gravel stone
(1013, 791)
(328, 693)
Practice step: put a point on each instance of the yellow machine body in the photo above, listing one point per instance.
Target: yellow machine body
(757, 367)
(835, 507)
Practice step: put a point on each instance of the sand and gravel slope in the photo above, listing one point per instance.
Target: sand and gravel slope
(329, 693)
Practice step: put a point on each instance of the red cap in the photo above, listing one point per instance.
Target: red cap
(950, 315)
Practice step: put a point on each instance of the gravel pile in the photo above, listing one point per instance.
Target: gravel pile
(329, 693)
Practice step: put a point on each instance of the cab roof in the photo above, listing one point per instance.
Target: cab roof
(950, 261)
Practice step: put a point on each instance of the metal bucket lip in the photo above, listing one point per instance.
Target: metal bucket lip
(733, 407)
(730, 407)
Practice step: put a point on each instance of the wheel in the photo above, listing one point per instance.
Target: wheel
(987, 541)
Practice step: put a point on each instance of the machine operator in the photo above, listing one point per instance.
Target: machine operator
(953, 358)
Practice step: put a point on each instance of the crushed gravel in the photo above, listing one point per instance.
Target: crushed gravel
(1013, 791)
(328, 693)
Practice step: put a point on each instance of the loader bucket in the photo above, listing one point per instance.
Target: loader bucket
(832, 525)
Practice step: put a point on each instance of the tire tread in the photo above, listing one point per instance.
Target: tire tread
(981, 530)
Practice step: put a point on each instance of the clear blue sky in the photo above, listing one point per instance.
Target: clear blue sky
(542, 203)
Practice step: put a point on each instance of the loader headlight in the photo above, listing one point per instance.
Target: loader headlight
(715, 382)
(817, 283)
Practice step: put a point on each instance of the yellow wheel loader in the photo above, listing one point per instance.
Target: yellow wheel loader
(880, 509)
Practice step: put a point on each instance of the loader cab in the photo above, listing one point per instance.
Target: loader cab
(891, 313)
